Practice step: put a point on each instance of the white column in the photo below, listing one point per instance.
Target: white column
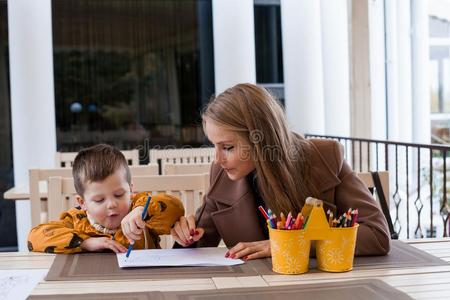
(368, 90)
(360, 70)
(32, 96)
(420, 65)
(335, 52)
(377, 69)
(404, 116)
(392, 66)
(302, 63)
(234, 43)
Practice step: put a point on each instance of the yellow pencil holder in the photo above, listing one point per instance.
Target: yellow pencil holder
(336, 253)
(290, 251)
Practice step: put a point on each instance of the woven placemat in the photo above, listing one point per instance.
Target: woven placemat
(104, 266)
(342, 290)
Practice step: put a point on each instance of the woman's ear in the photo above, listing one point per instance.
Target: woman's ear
(81, 202)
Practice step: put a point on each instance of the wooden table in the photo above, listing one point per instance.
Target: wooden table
(22, 192)
(419, 282)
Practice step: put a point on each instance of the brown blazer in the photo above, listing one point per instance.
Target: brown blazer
(229, 211)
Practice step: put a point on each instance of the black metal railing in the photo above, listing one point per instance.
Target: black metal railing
(418, 177)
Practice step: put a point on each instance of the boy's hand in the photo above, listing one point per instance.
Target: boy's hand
(102, 243)
(132, 225)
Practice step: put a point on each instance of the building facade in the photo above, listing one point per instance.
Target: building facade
(137, 73)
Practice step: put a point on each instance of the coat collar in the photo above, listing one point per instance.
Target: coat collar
(227, 192)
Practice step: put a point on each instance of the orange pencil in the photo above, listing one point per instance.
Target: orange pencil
(280, 225)
(283, 218)
(335, 222)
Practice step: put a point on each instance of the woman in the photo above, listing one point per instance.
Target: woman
(259, 161)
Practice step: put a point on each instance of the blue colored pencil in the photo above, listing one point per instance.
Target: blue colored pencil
(144, 213)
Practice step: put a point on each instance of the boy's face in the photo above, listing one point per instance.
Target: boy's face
(107, 201)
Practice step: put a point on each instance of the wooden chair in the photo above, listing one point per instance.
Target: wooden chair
(190, 189)
(183, 169)
(366, 177)
(38, 185)
(383, 177)
(144, 170)
(65, 159)
(182, 156)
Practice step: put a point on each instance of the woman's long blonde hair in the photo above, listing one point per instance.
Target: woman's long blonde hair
(280, 156)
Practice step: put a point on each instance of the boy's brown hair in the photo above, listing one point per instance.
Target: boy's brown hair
(95, 163)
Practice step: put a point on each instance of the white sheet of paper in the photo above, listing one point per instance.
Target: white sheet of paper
(18, 284)
(214, 256)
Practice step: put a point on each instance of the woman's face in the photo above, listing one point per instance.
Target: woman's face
(232, 153)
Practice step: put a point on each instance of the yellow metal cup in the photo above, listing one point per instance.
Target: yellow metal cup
(290, 251)
(336, 254)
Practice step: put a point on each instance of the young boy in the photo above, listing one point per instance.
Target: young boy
(108, 216)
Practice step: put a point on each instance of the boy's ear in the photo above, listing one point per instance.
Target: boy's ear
(131, 187)
(81, 202)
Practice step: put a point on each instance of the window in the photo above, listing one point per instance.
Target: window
(439, 67)
(131, 73)
(268, 46)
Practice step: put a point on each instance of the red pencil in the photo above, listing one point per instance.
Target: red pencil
(262, 210)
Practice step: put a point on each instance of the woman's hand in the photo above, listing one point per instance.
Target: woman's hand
(102, 243)
(250, 250)
(133, 225)
(184, 231)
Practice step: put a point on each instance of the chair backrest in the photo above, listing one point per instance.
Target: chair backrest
(376, 182)
(182, 169)
(190, 189)
(150, 169)
(366, 177)
(182, 156)
(38, 190)
(65, 159)
(38, 184)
